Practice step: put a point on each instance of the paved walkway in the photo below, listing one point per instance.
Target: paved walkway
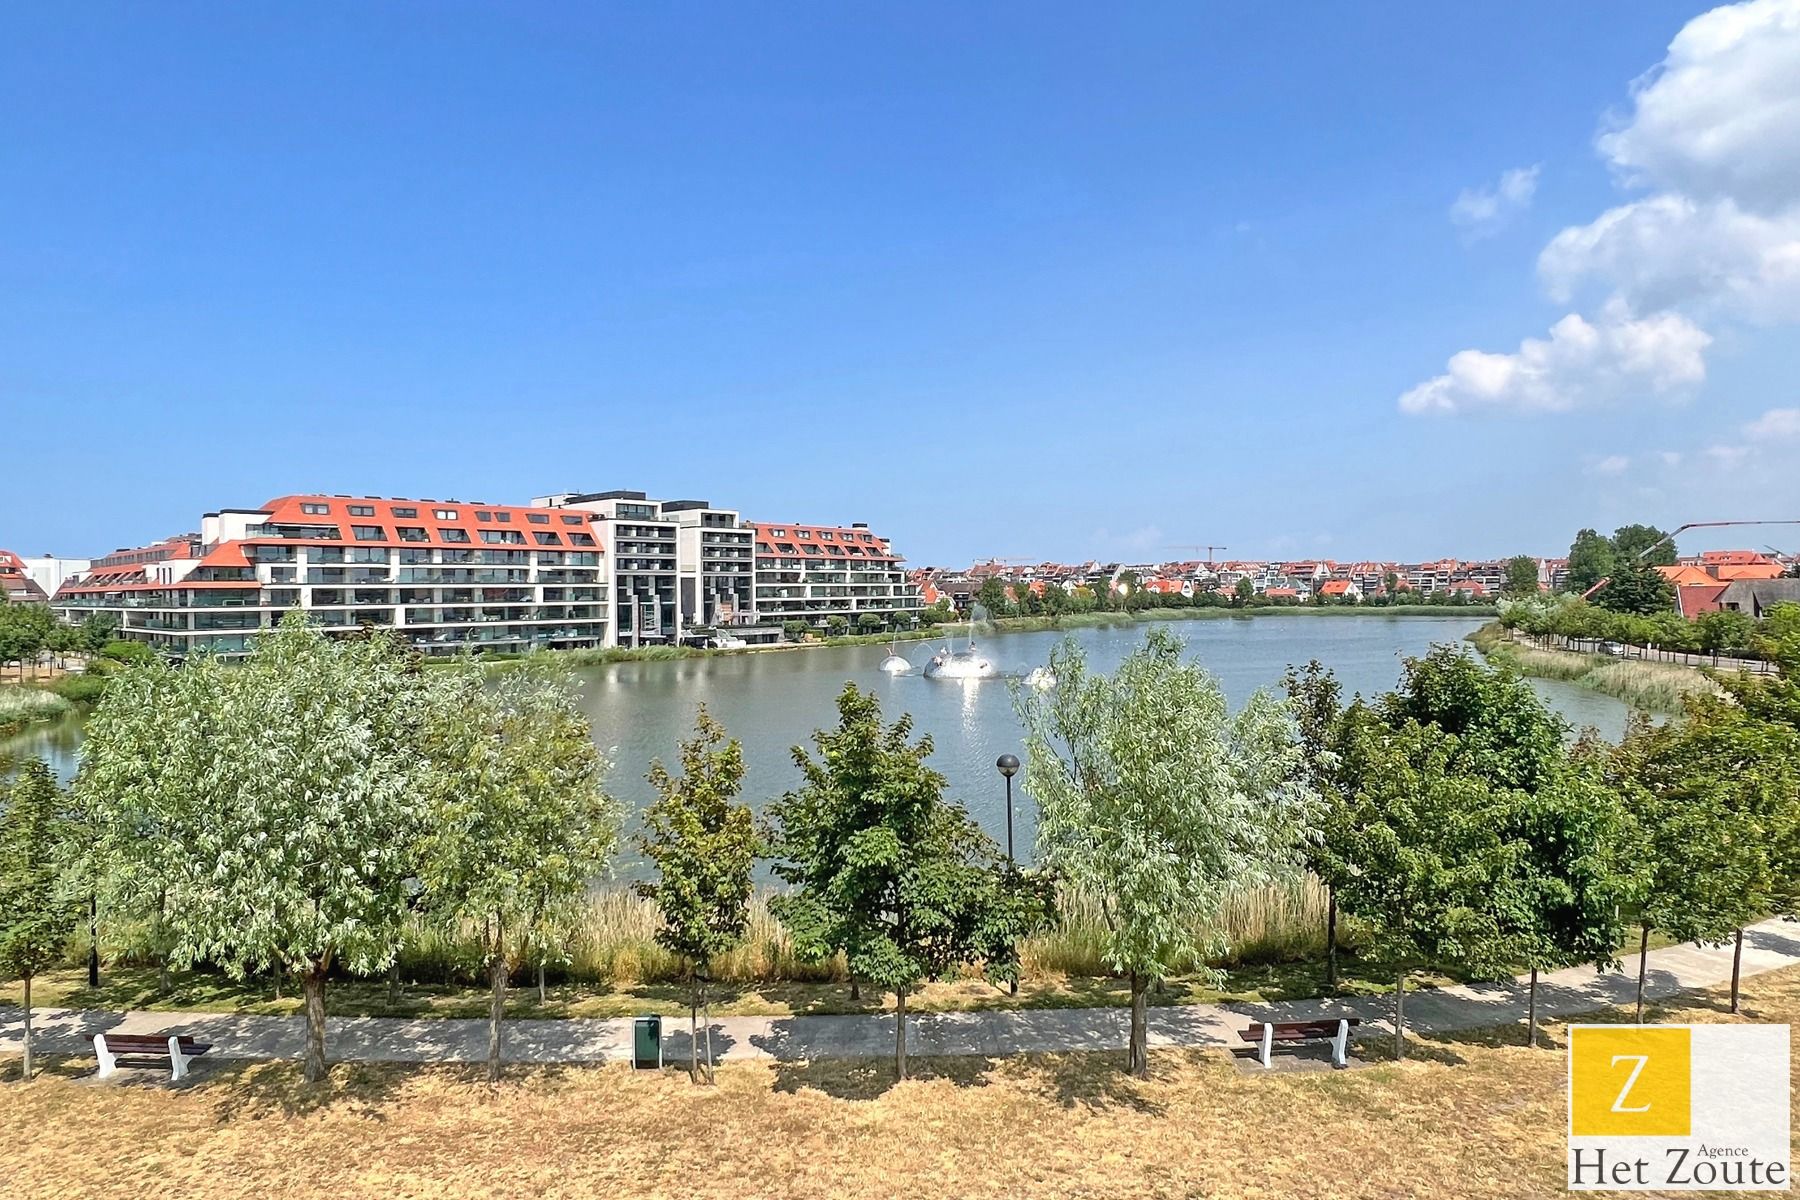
(1767, 947)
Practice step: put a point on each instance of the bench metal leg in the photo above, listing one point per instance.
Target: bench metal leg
(1268, 1043)
(108, 1064)
(1340, 1044)
(178, 1063)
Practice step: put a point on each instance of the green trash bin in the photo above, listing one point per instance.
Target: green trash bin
(646, 1051)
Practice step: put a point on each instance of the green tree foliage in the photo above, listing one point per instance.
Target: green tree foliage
(1590, 560)
(518, 824)
(992, 596)
(1421, 852)
(868, 622)
(886, 870)
(1159, 802)
(795, 631)
(1636, 587)
(1316, 700)
(704, 847)
(37, 916)
(1521, 576)
(97, 629)
(836, 626)
(1564, 902)
(1243, 592)
(25, 632)
(1504, 734)
(1725, 632)
(1645, 544)
(267, 811)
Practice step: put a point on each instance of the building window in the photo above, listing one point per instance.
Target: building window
(444, 514)
(362, 510)
(581, 539)
(495, 537)
(483, 516)
(548, 539)
(315, 510)
(410, 514)
(412, 533)
(454, 535)
(538, 518)
(503, 518)
(368, 533)
(804, 534)
(829, 536)
(568, 520)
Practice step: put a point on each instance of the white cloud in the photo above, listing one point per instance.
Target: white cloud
(1716, 119)
(1715, 128)
(1612, 464)
(1727, 456)
(1482, 211)
(1672, 250)
(1778, 424)
(1580, 363)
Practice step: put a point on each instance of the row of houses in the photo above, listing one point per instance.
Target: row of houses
(569, 570)
(1301, 580)
(1732, 580)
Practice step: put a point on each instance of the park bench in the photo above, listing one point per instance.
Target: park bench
(109, 1048)
(1264, 1034)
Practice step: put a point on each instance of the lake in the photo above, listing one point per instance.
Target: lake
(772, 701)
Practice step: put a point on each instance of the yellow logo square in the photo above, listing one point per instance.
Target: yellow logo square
(1630, 1081)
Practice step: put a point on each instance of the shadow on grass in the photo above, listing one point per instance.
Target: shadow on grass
(869, 1078)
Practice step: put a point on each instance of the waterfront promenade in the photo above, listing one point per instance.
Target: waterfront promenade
(1769, 946)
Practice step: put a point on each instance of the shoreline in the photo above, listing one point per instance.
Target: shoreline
(1650, 686)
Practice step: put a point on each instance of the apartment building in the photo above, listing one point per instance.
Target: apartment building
(16, 584)
(717, 559)
(644, 552)
(812, 573)
(449, 575)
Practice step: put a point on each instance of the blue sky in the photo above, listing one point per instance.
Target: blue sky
(1030, 280)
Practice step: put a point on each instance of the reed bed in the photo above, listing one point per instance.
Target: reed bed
(1659, 687)
(613, 944)
(22, 704)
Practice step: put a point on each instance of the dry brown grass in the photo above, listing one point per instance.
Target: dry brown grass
(1469, 1117)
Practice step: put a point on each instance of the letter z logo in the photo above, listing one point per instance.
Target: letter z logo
(1630, 1081)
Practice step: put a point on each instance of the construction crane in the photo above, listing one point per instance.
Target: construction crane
(1209, 549)
(1661, 542)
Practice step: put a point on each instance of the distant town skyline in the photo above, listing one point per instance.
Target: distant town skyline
(1398, 282)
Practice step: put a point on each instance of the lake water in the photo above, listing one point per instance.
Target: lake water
(773, 701)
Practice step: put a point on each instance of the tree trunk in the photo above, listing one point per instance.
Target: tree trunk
(900, 1034)
(1331, 963)
(1137, 1048)
(694, 1030)
(314, 984)
(706, 1028)
(1737, 961)
(393, 982)
(543, 994)
(275, 972)
(93, 941)
(855, 989)
(496, 1012)
(1531, 1012)
(1400, 1015)
(26, 1076)
(1643, 963)
(162, 975)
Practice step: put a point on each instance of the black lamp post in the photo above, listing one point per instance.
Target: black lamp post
(1008, 766)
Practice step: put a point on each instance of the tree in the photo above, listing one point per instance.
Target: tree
(1725, 631)
(1636, 587)
(836, 626)
(25, 631)
(1591, 559)
(795, 631)
(1315, 698)
(1564, 902)
(1644, 544)
(97, 629)
(1521, 576)
(36, 915)
(519, 824)
(269, 810)
(1157, 801)
(886, 870)
(868, 622)
(1243, 592)
(992, 596)
(704, 847)
(1421, 854)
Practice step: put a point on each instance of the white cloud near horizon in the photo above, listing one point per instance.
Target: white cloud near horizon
(1580, 362)
(1484, 211)
(1714, 132)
